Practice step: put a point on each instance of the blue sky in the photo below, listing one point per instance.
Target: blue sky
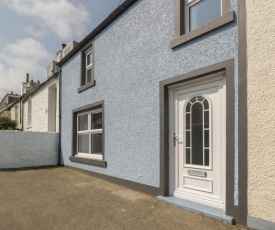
(32, 31)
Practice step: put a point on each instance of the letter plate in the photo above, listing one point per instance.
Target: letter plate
(197, 173)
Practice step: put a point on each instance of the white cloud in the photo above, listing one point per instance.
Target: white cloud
(21, 57)
(36, 33)
(62, 17)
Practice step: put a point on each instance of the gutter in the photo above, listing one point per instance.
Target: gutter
(115, 14)
(59, 127)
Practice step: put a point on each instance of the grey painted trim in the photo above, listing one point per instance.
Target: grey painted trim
(90, 106)
(228, 66)
(225, 7)
(99, 104)
(219, 22)
(259, 224)
(242, 114)
(87, 86)
(179, 18)
(121, 9)
(198, 208)
(88, 161)
(150, 190)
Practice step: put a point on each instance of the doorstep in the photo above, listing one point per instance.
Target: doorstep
(198, 208)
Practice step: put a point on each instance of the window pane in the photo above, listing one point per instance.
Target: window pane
(96, 120)
(187, 156)
(206, 119)
(206, 104)
(83, 143)
(206, 157)
(97, 143)
(188, 121)
(89, 75)
(193, 99)
(197, 133)
(200, 98)
(206, 138)
(188, 139)
(188, 106)
(204, 12)
(83, 122)
(89, 58)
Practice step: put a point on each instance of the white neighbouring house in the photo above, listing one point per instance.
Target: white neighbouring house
(41, 107)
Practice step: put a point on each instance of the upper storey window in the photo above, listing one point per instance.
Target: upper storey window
(87, 68)
(194, 18)
(200, 12)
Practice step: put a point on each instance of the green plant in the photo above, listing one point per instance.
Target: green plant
(7, 124)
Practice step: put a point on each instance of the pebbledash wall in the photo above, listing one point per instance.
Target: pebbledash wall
(28, 149)
(261, 123)
(132, 56)
(40, 109)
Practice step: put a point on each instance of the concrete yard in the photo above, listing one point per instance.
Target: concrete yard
(61, 198)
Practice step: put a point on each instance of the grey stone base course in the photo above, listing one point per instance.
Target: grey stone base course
(198, 208)
(259, 224)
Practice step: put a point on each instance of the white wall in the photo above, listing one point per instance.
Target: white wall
(27, 149)
(40, 109)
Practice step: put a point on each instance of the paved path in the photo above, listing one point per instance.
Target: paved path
(61, 198)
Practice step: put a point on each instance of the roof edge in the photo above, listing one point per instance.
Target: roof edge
(33, 91)
(114, 15)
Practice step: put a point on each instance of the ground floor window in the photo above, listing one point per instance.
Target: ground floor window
(88, 134)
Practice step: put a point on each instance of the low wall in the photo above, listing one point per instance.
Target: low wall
(27, 149)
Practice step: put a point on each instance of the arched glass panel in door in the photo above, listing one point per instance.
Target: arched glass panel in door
(197, 131)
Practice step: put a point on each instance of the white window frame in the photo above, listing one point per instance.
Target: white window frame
(88, 66)
(89, 131)
(29, 121)
(188, 5)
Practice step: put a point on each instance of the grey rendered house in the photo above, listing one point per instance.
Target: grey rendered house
(155, 98)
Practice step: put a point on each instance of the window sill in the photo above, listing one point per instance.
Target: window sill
(221, 21)
(88, 161)
(87, 86)
(29, 127)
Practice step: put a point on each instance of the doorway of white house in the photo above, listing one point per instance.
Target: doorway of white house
(52, 110)
(197, 111)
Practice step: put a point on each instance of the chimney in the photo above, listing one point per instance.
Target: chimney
(27, 77)
(63, 46)
(11, 92)
(38, 82)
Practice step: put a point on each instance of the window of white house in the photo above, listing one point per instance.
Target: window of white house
(88, 135)
(16, 113)
(200, 12)
(29, 122)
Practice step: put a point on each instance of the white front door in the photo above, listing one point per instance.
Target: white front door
(198, 136)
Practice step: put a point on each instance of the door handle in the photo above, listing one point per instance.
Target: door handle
(175, 138)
